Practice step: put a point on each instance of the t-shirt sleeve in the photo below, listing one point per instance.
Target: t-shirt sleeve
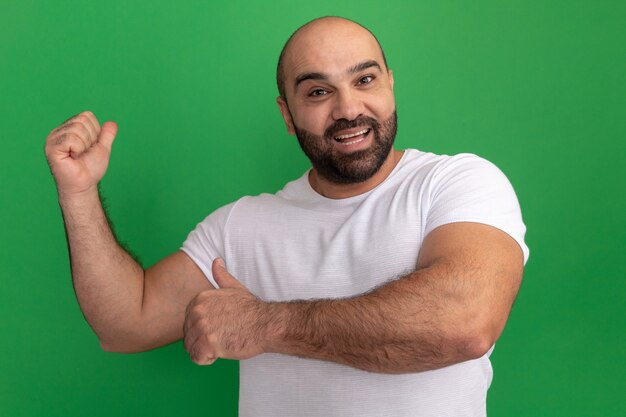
(206, 241)
(467, 188)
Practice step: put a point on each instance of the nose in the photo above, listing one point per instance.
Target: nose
(348, 105)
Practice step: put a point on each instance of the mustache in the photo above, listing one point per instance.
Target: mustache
(343, 124)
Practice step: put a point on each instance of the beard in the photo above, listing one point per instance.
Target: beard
(354, 167)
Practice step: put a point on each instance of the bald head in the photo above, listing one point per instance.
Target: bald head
(311, 34)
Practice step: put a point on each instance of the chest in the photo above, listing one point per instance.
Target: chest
(289, 252)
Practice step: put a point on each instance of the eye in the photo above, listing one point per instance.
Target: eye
(366, 80)
(318, 93)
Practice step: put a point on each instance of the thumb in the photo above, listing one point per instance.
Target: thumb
(223, 278)
(107, 134)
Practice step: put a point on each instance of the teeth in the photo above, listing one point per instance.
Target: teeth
(341, 137)
(352, 141)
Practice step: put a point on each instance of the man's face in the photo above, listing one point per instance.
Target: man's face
(340, 101)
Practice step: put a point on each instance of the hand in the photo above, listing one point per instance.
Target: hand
(78, 152)
(229, 322)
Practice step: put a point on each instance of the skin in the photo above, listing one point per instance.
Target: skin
(456, 302)
(332, 47)
(129, 308)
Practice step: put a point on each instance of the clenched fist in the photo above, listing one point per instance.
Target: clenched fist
(78, 153)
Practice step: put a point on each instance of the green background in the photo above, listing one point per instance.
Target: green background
(537, 87)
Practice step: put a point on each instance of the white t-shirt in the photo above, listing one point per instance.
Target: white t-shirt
(297, 244)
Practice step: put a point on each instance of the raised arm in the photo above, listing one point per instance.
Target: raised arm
(128, 308)
(451, 309)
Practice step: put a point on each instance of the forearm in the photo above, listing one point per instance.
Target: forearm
(409, 325)
(451, 309)
(107, 281)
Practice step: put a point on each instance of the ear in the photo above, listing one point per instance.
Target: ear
(390, 75)
(284, 111)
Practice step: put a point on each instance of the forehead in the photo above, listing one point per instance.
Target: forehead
(331, 48)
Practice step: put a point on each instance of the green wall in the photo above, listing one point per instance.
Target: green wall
(537, 87)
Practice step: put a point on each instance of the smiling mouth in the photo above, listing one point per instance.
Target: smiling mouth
(353, 137)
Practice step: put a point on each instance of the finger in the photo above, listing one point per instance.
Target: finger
(67, 122)
(202, 351)
(202, 354)
(69, 143)
(66, 141)
(192, 313)
(200, 342)
(192, 329)
(205, 360)
(92, 120)
(78, 126)
(91, 124)
(107, 134)
(223, 278)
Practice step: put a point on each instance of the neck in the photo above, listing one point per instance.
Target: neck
(336, 191)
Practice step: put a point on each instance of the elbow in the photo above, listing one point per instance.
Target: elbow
(479, 333)
(479, 341)
(474, 343)
(475, 346)
(128, 339)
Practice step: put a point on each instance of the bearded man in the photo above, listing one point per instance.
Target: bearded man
(374, 285)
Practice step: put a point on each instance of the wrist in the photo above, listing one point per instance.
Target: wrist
(276, 322)
(70, 198)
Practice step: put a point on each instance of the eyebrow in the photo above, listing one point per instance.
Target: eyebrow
(322, 76)
(310, 76)
(364, 65)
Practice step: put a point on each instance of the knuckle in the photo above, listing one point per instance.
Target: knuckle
(211, 339)
(203, 325)
(58, 139)
(77, 136)
(81, 124)
(83, 119)
(200, 302)
(201, 355)
(67, 136)
(204, 294)
(78, 120)
(196, 310)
